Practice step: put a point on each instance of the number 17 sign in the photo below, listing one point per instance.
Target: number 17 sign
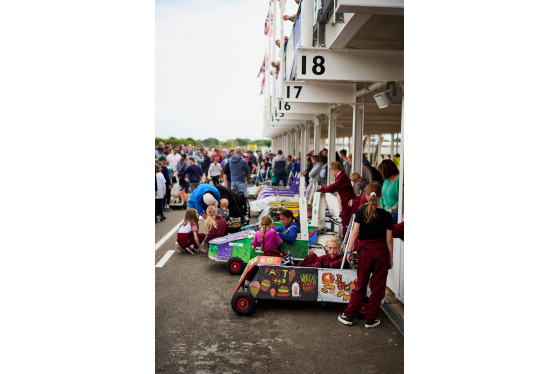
(319, 92)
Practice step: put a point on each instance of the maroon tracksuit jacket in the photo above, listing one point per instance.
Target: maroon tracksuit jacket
(312, 261)
(218, 232)
(343, 186)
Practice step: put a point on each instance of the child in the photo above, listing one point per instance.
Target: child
(271, 240)
(215, 170)
(331, 260)
(373, 227)
(288, 232)
(215, 225)
(223, 211)
(188, 237)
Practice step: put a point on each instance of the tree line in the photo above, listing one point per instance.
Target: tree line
(213, 142)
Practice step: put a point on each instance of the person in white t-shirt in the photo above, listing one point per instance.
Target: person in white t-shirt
(160, 193)
(215, 171)
(174, 158)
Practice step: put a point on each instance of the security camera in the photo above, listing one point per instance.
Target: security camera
(385, 98)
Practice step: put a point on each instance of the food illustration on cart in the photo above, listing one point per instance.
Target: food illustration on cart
(266, 278)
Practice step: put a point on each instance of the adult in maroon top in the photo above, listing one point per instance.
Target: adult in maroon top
(219, 231)
(343, 186)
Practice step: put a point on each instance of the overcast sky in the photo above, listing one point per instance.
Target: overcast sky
(208, 55)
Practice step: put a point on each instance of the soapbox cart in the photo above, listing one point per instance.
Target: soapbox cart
(235, 249)
(265, 278)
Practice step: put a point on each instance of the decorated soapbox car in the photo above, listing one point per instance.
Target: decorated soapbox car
(265, 278)
(235, 249)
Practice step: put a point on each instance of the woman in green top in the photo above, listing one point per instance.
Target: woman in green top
(390, 189)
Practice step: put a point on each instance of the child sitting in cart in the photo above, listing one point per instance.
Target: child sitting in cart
(333, 259)
(223, 211)
(289, 229)
(271, 240)
(188, 237)
(215, 225)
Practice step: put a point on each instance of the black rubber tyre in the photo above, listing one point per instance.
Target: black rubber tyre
(235, 266)
(363, 309)
(243, 303)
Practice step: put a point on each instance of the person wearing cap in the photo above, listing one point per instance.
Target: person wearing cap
(203, 196)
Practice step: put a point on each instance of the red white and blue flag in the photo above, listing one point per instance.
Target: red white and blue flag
(262, 85)
(263, 67)
(269, 22)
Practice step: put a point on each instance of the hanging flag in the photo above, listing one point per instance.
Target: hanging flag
(269, 21)
(262, 85)
(263, 67)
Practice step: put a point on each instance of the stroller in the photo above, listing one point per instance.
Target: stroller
(238, 205)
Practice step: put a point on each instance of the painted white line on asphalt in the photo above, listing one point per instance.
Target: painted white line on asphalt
(168, 235)
(165, 258)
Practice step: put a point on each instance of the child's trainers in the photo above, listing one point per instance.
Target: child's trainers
(348, 321)
(189, 249)
(372, 324)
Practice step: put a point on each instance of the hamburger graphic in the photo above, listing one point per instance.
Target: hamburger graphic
(283, 291)
(265, 285)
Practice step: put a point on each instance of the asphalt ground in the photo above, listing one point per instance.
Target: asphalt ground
(198, 332)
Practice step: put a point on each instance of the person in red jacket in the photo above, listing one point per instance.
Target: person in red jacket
(331, 260)
(215, 226)
(343, 186)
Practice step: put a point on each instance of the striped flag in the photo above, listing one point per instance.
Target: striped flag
(263, 67)
(183, 195)
(262, 85)
(269, 22)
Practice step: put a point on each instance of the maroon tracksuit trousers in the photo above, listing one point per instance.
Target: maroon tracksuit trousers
(373, 260)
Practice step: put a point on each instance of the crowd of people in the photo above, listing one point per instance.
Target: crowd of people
(372, 199)
(191, 166)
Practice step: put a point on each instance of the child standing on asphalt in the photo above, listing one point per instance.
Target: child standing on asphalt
(373, 227)
(188, 237)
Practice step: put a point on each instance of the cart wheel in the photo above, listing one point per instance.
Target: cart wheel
(363, 309)
(235, 265)
(243, 303)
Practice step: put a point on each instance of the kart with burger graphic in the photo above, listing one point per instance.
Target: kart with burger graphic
(266, 278)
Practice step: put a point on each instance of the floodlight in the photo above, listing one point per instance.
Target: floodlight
(385, 98)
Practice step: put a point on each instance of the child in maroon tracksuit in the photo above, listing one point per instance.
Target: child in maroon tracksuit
(330, 260)
(343, 186)
(188, 237)
(215, 226)
(373, 227)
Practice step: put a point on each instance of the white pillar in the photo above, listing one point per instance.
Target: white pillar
(307, 23)
(401, 167)
(357, 136)
(332, 143)
(308, 125)
(317, 135)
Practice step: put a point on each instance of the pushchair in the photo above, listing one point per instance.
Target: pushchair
(237, 204)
